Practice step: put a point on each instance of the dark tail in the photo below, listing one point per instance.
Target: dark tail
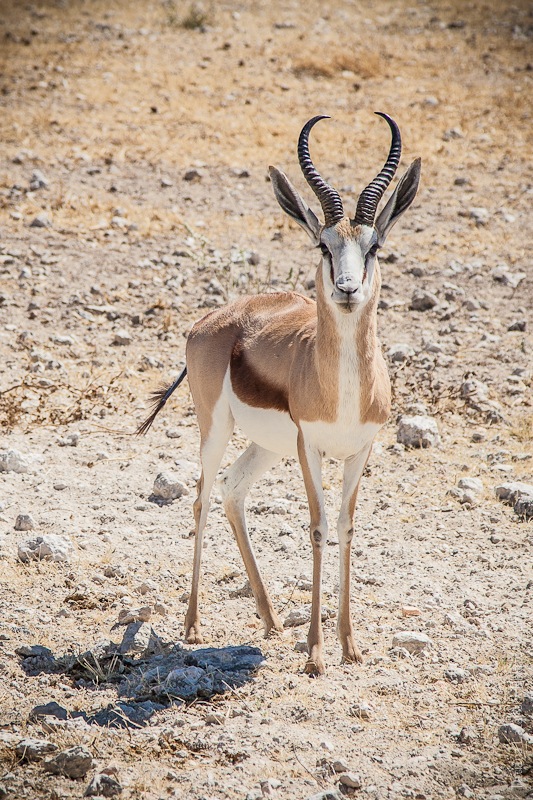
(158, 399)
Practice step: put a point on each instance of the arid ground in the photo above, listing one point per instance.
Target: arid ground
(139, 135)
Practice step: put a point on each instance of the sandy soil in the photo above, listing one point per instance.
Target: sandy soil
(153, 126)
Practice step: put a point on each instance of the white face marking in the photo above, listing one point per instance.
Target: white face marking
(352, 265)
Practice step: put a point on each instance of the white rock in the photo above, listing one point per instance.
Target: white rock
(302, 615)
(24, 522)
(514, 734)
(418, 431)
(480, 215)
(512, 491)
(15, 461)
(473, 485)
(167, 486)
(136, 638)
(49, 547)
(351, 779)
(508, 278)
(474, 391)
(127, 615)
(122, 337)
(34, 749)
(400, 352)
(412, 641)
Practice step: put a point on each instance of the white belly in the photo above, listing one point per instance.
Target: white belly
(273, 430)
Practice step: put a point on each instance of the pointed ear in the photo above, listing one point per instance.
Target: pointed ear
(293, 205)
(399, 201)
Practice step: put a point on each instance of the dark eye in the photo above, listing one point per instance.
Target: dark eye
(325, 250)
(373, 250)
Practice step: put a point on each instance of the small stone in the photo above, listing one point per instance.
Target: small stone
(38, 181)
(508, 278)
(34, 749)
(472, 485)
(128, 615)
(173, 433)
(115, 571)
(49, 547)
(523, 506)
(519, 325)
(302, 616)
(456, 675)
(527, 705)
(104, 784)
(192, 176)
(14, 461)
(327, 794)
(360, 710)
(399, 353)
(340, 766)
(168, 487)
(514, 734)
(51, 709)
(512, 491)
(215, 719)
(474, 391)
(464, 790)
(70, 440)
(301, 646)
(418, 431)
(410, 611)
(41, 221)
(351, 779)
(412, 641)
(73, 763)
(166, 183)
(466, 736)
(24, 522)
(423, 300)
(122, 337)
(137, 638)
(479, 214)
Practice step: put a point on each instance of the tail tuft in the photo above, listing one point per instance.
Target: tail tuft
(158, 400)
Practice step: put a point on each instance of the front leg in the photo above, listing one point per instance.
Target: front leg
(353, 469)
(311, 463)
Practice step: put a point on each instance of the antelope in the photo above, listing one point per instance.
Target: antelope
(301, 379)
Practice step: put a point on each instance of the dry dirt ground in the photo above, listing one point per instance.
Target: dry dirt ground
(153, 125)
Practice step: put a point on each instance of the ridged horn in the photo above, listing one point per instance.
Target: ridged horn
(369, 198)
(329, 198)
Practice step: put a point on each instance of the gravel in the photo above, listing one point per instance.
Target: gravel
(49, 547)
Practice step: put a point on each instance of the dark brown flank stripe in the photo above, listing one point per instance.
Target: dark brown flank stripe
(250, 387)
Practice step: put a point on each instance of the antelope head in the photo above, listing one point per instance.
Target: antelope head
(349, 246)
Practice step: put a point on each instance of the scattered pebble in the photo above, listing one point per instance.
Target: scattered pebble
(122, 337)
(360, 710)
(327, 794)
(302, 616)
(514, 734)
(399, 353)
(34, 749)
(410, 611)
(351, 779)
(340, 766)
(73, 763)
(456, 675)
(527, 705)
(423, 300)
(14, 461)
(167, 486)
(137, 638)
(503, 275)
(24, 522)
(128, 615)
(479, 214)
(38, 181)
(41, 221)
(418, 431)
(49, 547)
(104, 784)
(412, 641)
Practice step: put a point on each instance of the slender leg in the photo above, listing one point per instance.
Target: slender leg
(353, 469)
(211, 451)
(311, 463)
(236, 483)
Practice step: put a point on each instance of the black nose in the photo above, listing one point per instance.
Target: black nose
(347, 284)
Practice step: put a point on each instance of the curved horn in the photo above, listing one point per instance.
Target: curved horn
(369, 198)
(329, 198)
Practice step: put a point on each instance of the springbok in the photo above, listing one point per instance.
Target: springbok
(300, 379)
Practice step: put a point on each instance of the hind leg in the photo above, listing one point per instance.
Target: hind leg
(235, 485)
(212, 449)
